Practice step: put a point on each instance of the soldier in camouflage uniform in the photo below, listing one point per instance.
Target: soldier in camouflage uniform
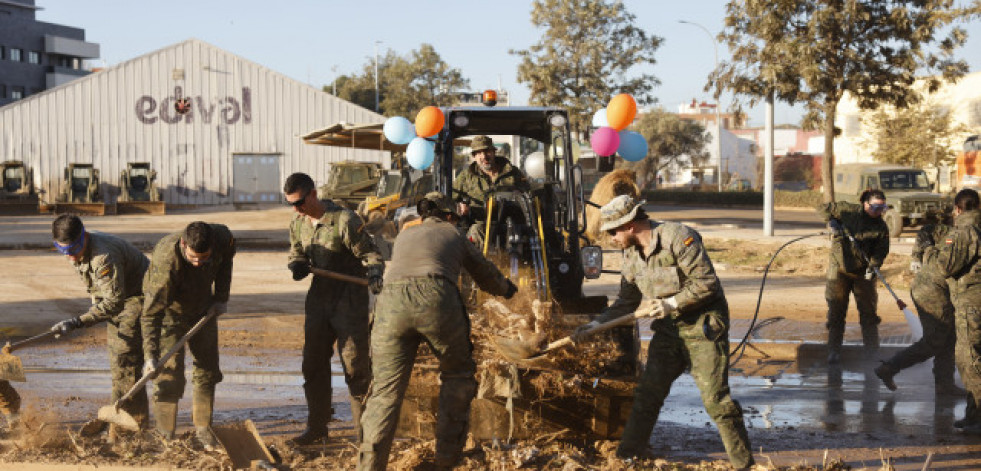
(484, 174)
(327, 236)
(190, 276)
(959, 258)
(9, 403)
(667, 263)
(112, 270)
(936, 312)
(421, 303)
(850, 268)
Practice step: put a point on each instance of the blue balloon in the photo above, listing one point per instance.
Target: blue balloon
(633, 146)
(420, 153)
(399, 130)
(599, 118)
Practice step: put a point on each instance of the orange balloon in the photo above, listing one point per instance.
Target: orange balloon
(429, 121)
(621, 111)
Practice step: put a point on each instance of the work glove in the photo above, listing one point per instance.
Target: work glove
(915, 266)
(836, 228)
(149, 368)
(511, 290)
(375, 284)
(580, 333)
(869, 273)
(67, 326)
(218, 309)
(662, 307)
(300, 269)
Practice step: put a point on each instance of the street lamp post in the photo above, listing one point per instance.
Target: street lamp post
(718, 114)
(333, 84)
(376, 75)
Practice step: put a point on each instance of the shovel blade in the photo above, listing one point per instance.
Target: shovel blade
(117, 416)
(11, 368)
(92, 427)
(517, 350)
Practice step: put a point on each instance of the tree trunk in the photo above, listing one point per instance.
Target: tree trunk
(827, 164)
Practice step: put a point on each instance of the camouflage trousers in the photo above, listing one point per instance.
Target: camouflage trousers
(205, 375)
(967, 352)
(936, 313)
(667, 358)
(125, 342)
(336, 312)
(836, 293)
(407, 313)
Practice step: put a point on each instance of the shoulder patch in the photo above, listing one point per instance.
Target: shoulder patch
(948, 241)
(689, 240)
(105, 272)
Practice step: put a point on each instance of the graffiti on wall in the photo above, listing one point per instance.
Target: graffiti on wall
(225, 110)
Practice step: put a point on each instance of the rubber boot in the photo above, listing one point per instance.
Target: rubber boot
(317, 417)
(835, 339)
(943, 388)
(870, 340)
(886, 372)
(166, 413)
(201, 413)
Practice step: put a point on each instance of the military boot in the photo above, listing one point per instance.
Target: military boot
(886, 372)
(949, 389)
(201, 413)
(317, 417)
(166, 413)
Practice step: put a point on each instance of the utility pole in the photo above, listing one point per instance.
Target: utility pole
(333, 83)
(718, 112)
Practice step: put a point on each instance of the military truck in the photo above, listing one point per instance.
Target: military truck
(350, 182)
(138, 192)
(80, 192)
(909, 195)
(17, 196)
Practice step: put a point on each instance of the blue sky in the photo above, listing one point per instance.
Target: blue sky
(315, 40)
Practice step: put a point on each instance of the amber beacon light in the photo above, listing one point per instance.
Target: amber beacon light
(490, 97)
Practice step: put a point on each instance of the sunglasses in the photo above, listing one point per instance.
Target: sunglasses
(611, 232)
(73, 248)
(299, 202)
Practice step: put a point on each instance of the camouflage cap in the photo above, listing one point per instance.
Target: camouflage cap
(442, 201)
(618, 211)
(479, 143)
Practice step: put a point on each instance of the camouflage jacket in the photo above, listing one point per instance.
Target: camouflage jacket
(337, 242)
(175, 289)
(872, 236)
(959, 254)
(112, 270)
(436, 248)
(926, 237)
(473, 183)
(676, 264)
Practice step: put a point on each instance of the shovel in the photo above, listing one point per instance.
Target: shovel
(11, 369)
(518, 350)
(339, 276)
(121, 418)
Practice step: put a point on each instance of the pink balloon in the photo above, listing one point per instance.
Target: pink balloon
(605, 141)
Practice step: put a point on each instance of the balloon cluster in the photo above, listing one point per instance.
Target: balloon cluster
(611, 136)
(421, 151)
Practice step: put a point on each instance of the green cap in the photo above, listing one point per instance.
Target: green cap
(442, 201)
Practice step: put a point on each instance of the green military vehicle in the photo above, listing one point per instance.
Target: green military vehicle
(17, 196)
(909, 194)
(350, 182)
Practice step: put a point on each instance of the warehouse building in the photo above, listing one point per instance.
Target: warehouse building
(237, 141)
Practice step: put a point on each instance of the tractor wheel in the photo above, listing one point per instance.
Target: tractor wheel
(894, 221)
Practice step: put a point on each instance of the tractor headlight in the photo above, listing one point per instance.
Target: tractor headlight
(592, 261)
(557, 120)
(461, 120)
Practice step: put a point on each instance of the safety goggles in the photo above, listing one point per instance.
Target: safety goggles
(73, 248)
(877, 207)
(299, 202)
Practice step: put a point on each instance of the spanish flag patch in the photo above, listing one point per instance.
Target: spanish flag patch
(105, 272)
(689, 240)
(948, 241)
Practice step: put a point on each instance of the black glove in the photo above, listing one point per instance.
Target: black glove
(836, 228)
(375, 284)
(67, 326)
(300, 270)
(511, 290)
(924, 240)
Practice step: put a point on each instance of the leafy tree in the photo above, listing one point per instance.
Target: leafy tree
(917, 135)
(670, 140)
(814, 51)
(406, 84)
(585, 56)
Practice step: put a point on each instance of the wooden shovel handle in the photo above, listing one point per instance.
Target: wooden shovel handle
(566, 341)
(339, 276)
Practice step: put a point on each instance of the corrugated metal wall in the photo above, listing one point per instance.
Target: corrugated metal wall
(126, 114)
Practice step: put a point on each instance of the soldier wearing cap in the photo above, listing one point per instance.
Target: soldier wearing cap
(667, 263)
(327, 236)
(420, 302)
(486, 173)
(112, 271)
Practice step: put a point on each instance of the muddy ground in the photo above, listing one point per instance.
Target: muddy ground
(799, 414)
